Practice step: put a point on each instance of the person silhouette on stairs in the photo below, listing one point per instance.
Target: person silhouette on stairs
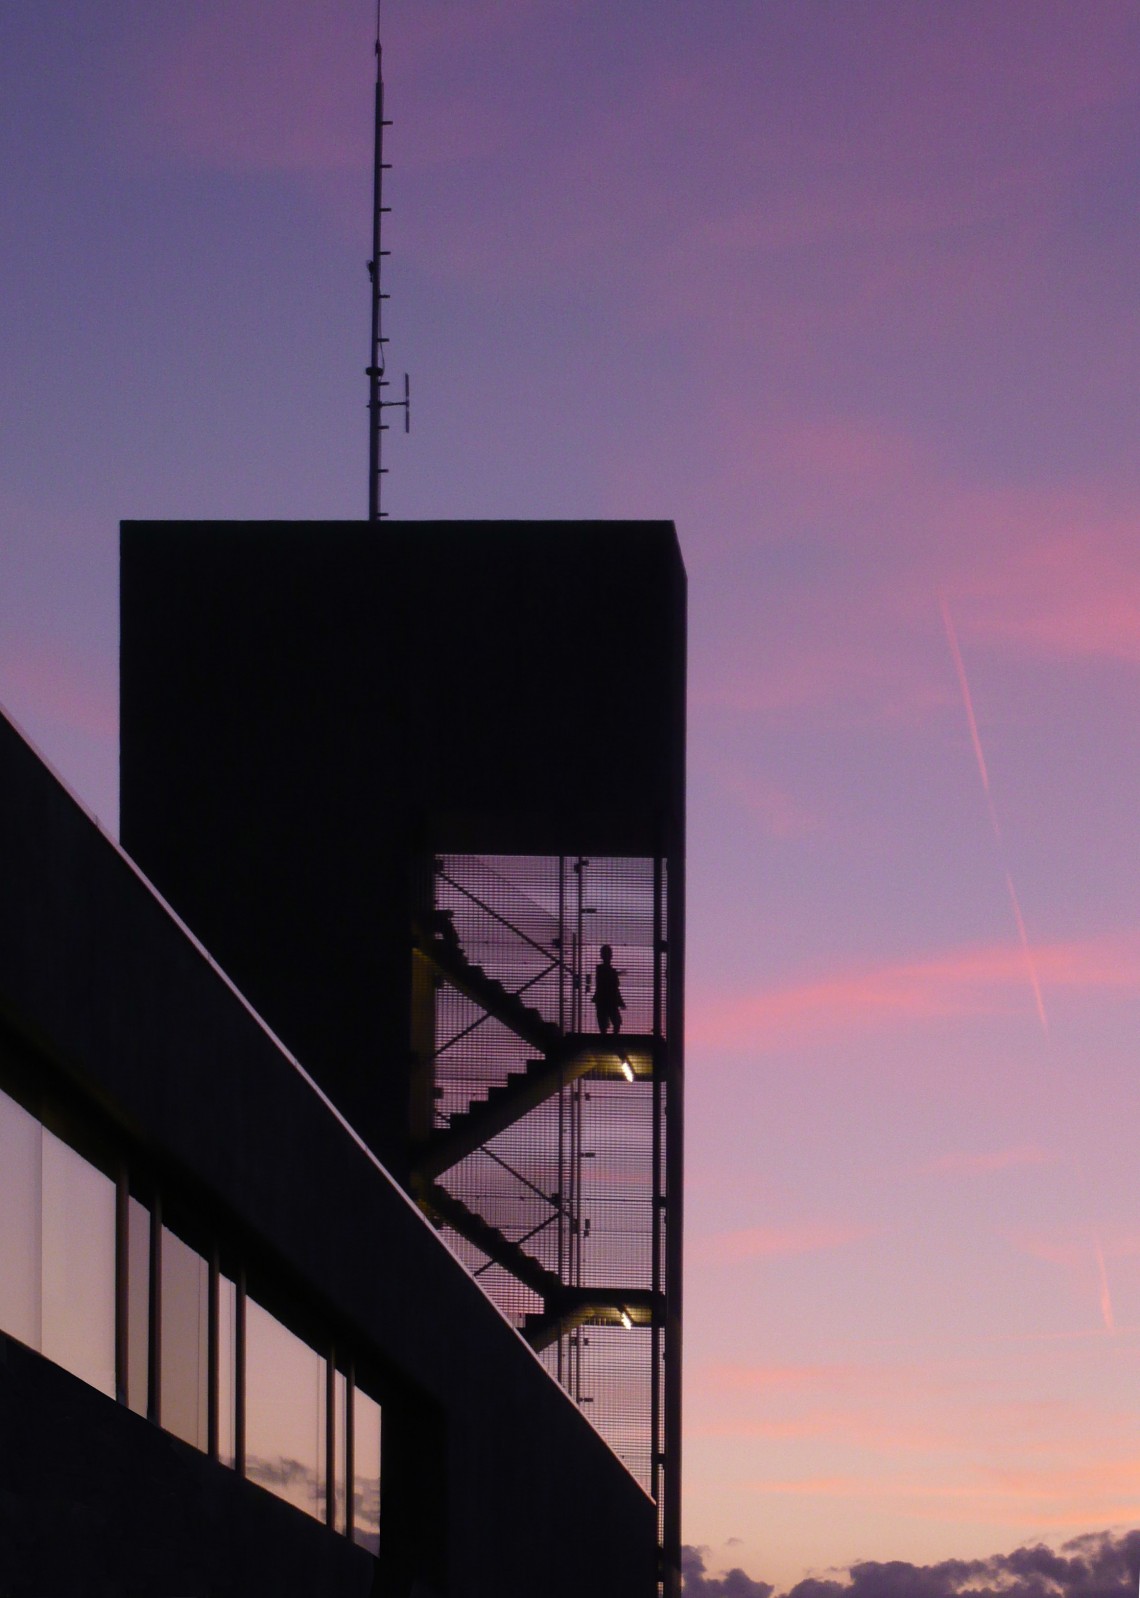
(608, 1001)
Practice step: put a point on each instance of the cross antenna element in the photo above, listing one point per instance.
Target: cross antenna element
(377, 381)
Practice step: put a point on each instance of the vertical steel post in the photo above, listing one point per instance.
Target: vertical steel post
(561, 1224)
(657, 1457)
(673, 1210)
(576, 1116)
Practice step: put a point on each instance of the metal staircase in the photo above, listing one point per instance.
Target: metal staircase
(541, 1159)
(525, 1089)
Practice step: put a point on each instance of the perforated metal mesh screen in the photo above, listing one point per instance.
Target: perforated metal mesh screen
(546, 1163)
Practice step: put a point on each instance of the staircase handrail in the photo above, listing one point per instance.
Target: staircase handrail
(557, 960)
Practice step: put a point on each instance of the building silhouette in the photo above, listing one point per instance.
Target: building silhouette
(319, 1036)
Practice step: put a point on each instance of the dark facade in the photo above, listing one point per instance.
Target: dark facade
(152, 1105)
(403, 782)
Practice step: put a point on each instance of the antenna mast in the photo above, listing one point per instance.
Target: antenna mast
(377, 381)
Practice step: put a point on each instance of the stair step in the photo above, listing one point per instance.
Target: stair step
(487, 990)
(492, 1241)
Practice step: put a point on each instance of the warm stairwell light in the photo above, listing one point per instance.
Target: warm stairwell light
(626, 1320)
(626, 1068)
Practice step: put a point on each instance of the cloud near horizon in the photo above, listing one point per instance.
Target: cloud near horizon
(1095, 1565)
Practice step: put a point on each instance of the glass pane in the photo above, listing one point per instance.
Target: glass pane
(284, 1403)
(339, 1413)
(20, 1145)
(366, 1472)
(184, 1346)
(78, 1220)
(227, 1350)
(138, 1305)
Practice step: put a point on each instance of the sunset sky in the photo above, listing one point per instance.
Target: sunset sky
(849, 290)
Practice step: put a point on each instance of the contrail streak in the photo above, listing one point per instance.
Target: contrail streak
(1105, 1296)
(1106, 1310)
(1030, 963)
(968, 702)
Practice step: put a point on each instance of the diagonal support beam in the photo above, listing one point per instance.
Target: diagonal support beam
(525, 1090)
(527, 1023)
(445, 1207)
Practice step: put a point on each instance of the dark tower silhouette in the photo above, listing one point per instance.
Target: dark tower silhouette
(404, 783)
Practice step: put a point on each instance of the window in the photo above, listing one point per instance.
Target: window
(78, 1265)
(184, 1293)
(21, 1145)
(57, 1249)
(366, 1471)
(63, 1221)
(284, 1412)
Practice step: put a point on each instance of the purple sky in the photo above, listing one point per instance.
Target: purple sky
(849, 291)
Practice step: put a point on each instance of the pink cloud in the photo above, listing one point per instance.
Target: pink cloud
(817, 1486)
(53, 685)
(824, 664)
(836, 1380)
(234, 87)
(821, 463)
(1063, 588)
(617, 151)
(1052, 574)
(1075, 1248)
(885, 1433)
(962, 1164)
(1074, 1496)
(768, 1378)
(972, 981)
(1056, 576)
(222, 98)
(905, 1421)
(874, 1432)
(241, 88)
(904, 196)
(767, 165)
(1083, 1255)
(779, 813)
(767, 1242)
(795, 679)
